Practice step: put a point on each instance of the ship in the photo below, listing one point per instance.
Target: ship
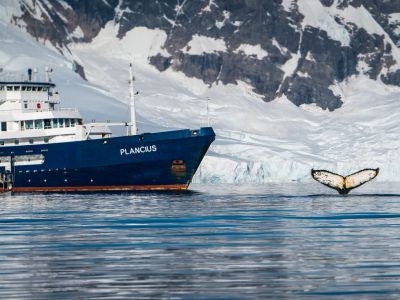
(46, 148)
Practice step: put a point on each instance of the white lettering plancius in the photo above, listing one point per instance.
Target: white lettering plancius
(138, 150)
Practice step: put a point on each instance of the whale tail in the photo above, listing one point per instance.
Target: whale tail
(344, 184)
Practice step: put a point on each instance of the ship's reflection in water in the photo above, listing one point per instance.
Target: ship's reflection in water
(222, 242)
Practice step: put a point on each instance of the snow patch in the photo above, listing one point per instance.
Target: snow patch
(288, 5)
(318, 16)
(394, 19)
(208, 7)
(310, 57)
(252, 50)
(221, 24)
(362, 66)
(200, 44)
(139, 43)
(65, 5)
(290, 65)
(302, 74)
(106, 3)
(283, 50)
(76, 34)
(64, 19)
(359, 16)
(42, 9)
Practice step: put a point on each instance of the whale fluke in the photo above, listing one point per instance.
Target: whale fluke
(344, 184)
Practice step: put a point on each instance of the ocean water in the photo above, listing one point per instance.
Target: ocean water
(296, 241)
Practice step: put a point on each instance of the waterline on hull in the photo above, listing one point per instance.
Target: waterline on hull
(167, 187)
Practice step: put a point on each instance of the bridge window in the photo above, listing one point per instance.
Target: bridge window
(38, 124)
(67, 123)
(1, 88)
(22, 125)
(23, 88)
(29, 124)
(3, 126)
(47, 124)
(17, 88)
(61, 123)
(55, 123)
(9, 88)
(80, 122)
(28, 88)
(72, 122)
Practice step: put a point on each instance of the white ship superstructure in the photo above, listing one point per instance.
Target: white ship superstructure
(29, 115)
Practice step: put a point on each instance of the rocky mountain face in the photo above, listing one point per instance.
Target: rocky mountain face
(299, 48)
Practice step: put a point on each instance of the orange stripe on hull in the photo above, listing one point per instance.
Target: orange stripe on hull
(168, 187)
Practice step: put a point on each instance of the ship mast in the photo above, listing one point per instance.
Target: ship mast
(132, 109)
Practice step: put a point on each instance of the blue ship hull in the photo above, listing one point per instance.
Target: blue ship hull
(151, 161)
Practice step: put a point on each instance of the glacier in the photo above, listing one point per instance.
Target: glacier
(257, 142)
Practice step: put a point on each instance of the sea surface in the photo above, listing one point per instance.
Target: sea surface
(295, 241)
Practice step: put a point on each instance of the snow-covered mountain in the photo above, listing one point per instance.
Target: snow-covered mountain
(291, 84)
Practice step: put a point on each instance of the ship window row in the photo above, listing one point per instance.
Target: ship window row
(18, 88)
(24, 141)
(50, 123)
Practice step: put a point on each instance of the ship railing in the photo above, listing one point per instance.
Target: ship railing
(108, 124)
(50, 109)
(66, 109)
(45, 110)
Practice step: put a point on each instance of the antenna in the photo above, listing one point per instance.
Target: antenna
(132, 108)
(30, 74)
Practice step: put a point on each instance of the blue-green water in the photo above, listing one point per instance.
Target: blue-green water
(216, 242)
